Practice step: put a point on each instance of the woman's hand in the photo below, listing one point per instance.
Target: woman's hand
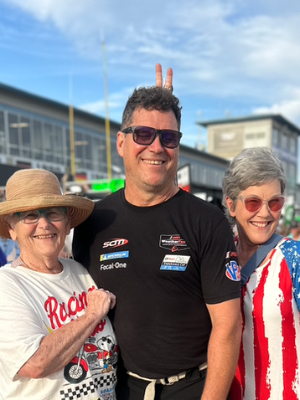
(99, 302)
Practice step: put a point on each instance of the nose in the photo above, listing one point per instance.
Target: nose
(43, 221)
(264, 211)
(156, 145)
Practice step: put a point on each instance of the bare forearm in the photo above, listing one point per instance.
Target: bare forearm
(58, 348)
(223, 349)
(222, 360)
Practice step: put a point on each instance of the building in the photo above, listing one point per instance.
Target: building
(228, 137)
(206, 173)
(35, 133)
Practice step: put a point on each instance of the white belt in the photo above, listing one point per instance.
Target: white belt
(150, 388)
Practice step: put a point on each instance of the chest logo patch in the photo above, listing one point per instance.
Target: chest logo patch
(112, 243)
(173, 242)
(172, 262)
(113, 256)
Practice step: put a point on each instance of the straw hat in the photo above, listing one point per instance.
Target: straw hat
(30, 189)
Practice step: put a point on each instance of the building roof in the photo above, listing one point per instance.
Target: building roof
(52, 103)
(256, 117)
(204, 155)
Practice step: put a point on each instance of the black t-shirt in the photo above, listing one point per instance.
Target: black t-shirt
(164, 263)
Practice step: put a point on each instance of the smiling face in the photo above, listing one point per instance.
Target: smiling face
(255, 228)
(42, 239)
(149, 169)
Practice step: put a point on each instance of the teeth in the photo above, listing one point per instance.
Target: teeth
(260, 224)
(153, 162)
(44, 236)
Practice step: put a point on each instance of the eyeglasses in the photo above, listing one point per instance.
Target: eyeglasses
(255, 203)
(145, 135)
(53, 214)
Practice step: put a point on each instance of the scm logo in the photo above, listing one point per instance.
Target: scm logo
(115, 243)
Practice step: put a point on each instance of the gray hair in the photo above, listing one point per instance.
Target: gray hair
(252, 167)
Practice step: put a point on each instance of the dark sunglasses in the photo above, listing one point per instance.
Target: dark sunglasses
(145, 135)
(255, 203)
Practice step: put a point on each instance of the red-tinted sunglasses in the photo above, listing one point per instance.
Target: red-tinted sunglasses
(255, 203)
(145, 135)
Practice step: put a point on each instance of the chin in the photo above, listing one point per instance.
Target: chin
(262, 237)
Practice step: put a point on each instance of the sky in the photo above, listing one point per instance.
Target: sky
(230, 58)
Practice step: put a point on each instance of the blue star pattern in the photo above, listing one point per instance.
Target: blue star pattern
(291, 251)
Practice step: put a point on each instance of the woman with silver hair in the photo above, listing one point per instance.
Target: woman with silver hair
(253, 193)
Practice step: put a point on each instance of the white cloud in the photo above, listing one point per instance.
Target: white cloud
(116, 102)
(224, 49)
(288, 108)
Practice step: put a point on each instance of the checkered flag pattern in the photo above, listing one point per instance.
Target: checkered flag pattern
(80, 391)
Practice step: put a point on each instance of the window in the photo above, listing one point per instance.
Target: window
(284, 141)
(48, 142)
(2, 133)
(37, 140)
(78, 145)
(25, 136)
(1, 121)
(87, 140)
(13, 134)
(58, 145)
(275, 137)
(48, 137)
(293, 145)
(13, 129)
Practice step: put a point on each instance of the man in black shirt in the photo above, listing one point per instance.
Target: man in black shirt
(170, 259)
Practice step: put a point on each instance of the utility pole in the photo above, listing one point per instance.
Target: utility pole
(107, 123)
(71, 127)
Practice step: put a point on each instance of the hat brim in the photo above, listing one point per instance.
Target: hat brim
(79, 208)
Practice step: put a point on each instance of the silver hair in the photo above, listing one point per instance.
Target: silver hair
(252, 167)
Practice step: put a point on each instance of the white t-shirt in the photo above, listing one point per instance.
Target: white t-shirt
(33, 305)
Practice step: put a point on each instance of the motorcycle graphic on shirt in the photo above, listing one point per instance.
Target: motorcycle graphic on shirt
(101, 354)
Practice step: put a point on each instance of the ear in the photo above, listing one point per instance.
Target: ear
(120, 143)
(68, 229)
(230, 206)
(13, 234)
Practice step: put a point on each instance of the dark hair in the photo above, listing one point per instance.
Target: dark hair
(151, 98)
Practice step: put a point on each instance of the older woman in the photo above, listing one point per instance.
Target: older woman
(55, 339)
(269, 359)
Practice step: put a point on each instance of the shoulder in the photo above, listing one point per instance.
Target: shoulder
(290, 250)
(73, 266)
(77, 270)
(200, 209)
(289, 245)
(104, 210)
(109, 200)
(10, 278)
(196, 201)
(7, 270)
